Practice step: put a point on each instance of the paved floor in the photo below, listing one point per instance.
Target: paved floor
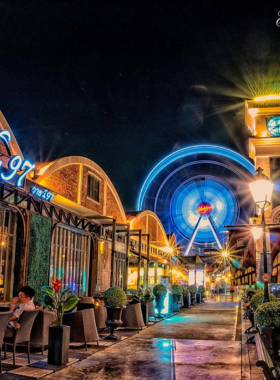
(198, 344)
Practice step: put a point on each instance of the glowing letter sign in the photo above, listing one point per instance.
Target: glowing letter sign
(204, 208)
(44, 194)
(16, 163)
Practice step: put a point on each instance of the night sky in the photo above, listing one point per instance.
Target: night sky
(125, 83)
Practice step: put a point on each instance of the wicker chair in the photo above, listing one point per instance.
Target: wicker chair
(22, 335)
(132, 317)
(40, 330)
(4, 319)
(100, 313)
(83, 326)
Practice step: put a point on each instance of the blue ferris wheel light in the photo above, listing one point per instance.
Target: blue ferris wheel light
(196, 149)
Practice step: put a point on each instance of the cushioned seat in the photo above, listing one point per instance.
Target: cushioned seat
(22, 335)
(132, 316)
(100, 313)
(83, 326)
(40, 329)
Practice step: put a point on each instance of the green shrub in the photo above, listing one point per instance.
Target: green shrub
(201, 289)
(257, 299)
(114, 296)
(159, 290)
(277, 314)
(177, 289)
(268, 314)
(192, 289)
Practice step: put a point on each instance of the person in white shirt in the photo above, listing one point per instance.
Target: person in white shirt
(24, 302)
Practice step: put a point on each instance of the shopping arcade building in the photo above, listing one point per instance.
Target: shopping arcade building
(67, 221)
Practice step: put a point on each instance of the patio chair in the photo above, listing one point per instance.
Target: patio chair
(40, 329)
(132, 317)
(4, 319)
(22, 335)
(100, 313)
(83, 326)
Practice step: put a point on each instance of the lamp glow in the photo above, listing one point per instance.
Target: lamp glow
(256, 232)
(225, 254)
(267, 97)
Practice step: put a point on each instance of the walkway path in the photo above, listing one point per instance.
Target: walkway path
(198, 344)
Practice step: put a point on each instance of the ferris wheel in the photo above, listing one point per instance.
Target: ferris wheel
(196, 192)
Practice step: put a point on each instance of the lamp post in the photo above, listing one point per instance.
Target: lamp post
(261, 190)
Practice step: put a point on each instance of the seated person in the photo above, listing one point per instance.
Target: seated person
(24, 299)
(250, 294)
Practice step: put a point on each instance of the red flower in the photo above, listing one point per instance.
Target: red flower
(56, 284)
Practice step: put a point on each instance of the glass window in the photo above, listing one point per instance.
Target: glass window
(7, 249)
(93, 187)
(70, 259)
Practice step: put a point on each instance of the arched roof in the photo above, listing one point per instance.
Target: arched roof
(141, 214)
(14, 147)
(50, 167)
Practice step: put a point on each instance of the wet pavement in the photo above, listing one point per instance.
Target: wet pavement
(200, 343)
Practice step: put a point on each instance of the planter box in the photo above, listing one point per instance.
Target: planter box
(198, 297)
(176, 298)
(187, 301)
(59, 339)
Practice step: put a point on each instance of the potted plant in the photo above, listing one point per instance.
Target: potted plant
(257, 299)
(177, 292)
(186, 298)
(115, 300)
(147, 306)
(59, 335)
(201, 291)
(192, 289)
(267, 318)
(159, 292)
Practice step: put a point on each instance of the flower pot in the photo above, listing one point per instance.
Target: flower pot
(114, 314)
(160, 305)
(267, 337)
(198, 297)
(59, 339)
(187, 301)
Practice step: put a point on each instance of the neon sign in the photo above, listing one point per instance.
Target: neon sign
(204, 208)
(16, 164)
(44, 194)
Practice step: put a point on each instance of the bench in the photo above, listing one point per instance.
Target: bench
(264, 360)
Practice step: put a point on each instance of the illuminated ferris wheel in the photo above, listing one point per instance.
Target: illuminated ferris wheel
(198, 190)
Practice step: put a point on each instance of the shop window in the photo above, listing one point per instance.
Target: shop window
(276, 269)
(93, 186)
(70, 259)
(7, 249)
(274, 163)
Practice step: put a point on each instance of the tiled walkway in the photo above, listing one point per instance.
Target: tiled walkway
(197, 344)
(201, 343)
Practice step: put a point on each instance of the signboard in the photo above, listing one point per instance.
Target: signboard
(204, 208)
(17, 167)
(266, 277)
(44, 194)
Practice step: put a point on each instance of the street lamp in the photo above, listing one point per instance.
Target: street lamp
(261, 190)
